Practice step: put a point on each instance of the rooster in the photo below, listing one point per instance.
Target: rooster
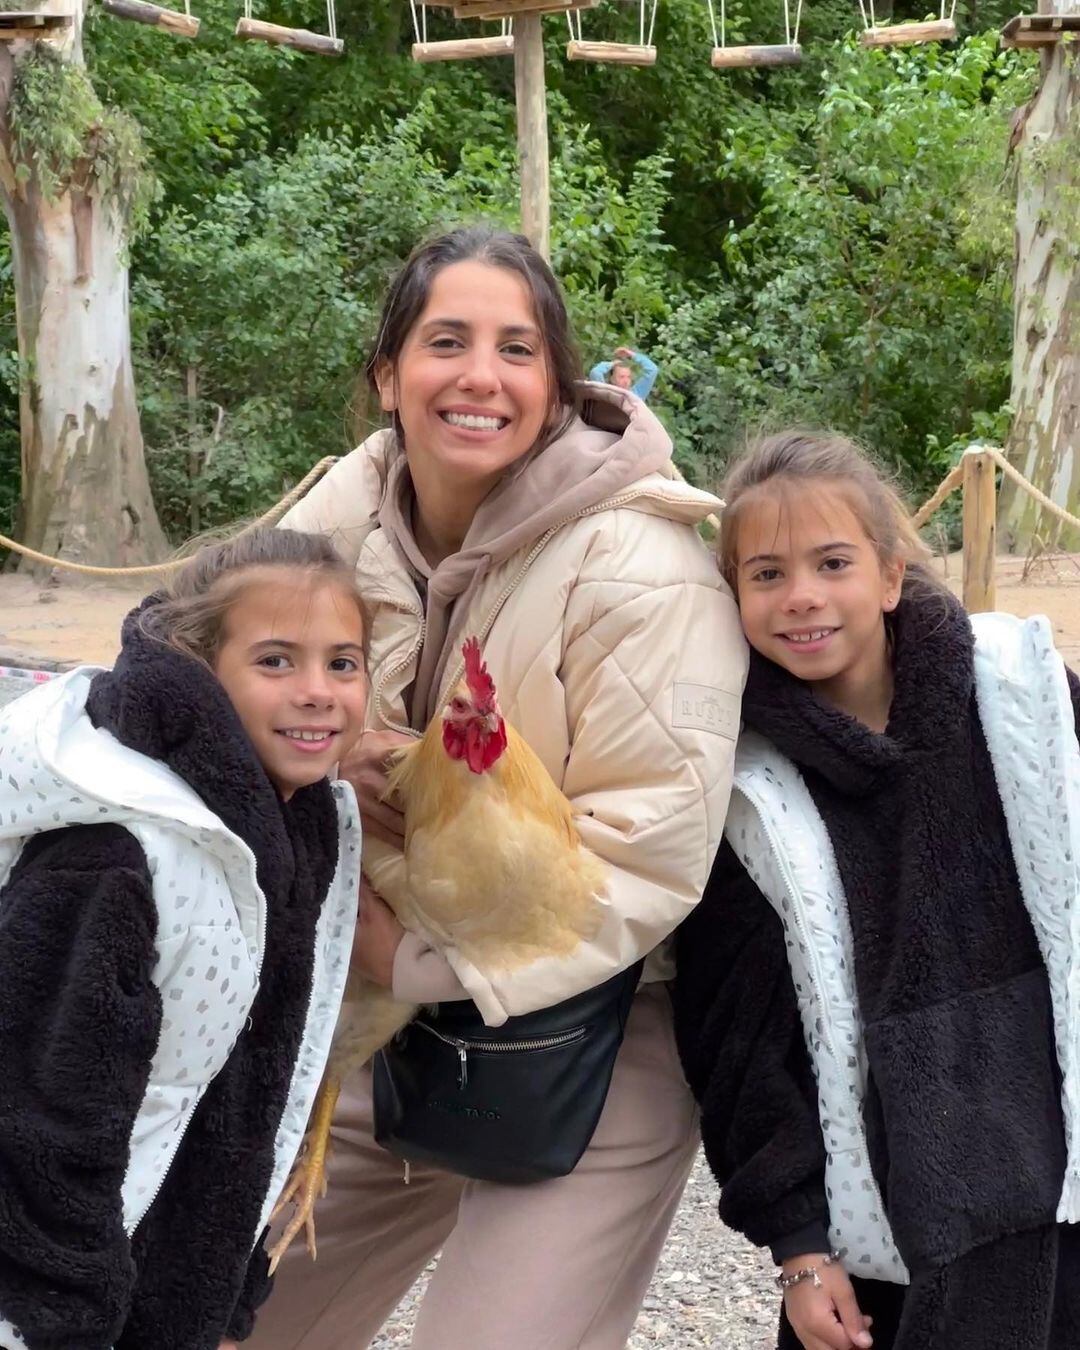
(494, 867)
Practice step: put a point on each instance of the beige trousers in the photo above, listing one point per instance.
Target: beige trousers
(558, 1265)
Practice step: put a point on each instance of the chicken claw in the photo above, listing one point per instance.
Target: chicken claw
(308, 1181)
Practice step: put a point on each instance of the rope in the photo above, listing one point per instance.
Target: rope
(331, 19)
(270, 517)
(952, 480)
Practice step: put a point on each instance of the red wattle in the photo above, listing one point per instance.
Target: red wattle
(480, 749)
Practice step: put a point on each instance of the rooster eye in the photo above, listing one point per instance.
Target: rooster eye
(458, 705)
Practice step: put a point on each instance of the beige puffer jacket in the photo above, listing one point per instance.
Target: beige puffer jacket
(617, 652)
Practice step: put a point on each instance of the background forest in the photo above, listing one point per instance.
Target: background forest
(829, 244)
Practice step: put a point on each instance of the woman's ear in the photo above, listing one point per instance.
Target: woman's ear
(387, 386)
(892, 575)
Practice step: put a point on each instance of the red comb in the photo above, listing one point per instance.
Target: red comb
(481, 685)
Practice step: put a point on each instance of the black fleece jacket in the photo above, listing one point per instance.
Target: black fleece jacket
(963, 1108)
(79, 1024)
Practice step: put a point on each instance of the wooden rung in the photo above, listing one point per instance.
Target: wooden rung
(743, 58)
(611, 53)
(463, 49)
(254, 30)
(139, 11)
(506, 9)
(904, 34)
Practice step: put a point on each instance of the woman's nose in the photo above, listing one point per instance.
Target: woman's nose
(480, 372)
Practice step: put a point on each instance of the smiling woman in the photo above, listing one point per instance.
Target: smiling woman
(511, 501)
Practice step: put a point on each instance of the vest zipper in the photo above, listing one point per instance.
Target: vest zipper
(463, 1046)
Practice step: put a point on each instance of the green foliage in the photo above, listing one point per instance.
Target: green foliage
(62, 133)
(830, 243)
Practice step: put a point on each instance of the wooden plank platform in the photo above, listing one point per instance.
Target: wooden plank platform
(139, 11)
(300, 39)
(746, 58)
(18, 25)
(1039, 30)
(463, 49)
(906, 34)
(611, 53)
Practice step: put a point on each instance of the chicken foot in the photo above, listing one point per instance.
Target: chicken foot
(308, 1181)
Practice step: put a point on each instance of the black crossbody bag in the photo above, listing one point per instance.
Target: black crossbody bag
(511, 1104)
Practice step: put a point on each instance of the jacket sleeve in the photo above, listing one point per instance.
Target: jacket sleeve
(1074, 690)
(741, 1040)
(600, 372)
(649, 371)
(258, 1286)
(79, 1024)
(654, 662)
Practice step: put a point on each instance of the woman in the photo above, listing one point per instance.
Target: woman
(494, 506)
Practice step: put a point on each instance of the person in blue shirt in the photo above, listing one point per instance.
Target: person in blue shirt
(620, 371)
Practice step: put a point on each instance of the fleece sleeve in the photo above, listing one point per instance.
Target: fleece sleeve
(652, 672)
(741, 1041)
(79, 1023)
(1074, 691)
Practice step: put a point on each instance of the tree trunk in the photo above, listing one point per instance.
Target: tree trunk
(85, 490)
(1044, 442)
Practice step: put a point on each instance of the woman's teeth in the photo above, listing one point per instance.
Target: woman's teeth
(473, 423)
(308, 735)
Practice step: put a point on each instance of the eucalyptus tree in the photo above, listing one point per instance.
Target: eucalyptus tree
(75, 185)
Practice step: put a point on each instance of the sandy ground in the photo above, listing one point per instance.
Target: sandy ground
(78, 622)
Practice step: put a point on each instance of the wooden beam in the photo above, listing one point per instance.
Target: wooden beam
(254, 30)
(463, 49)
(903, 34)
(744, 58)
(138, 11)
(510, 9)
(980, 532)
(33, 18)
(613, 53)
(1039, 30)
(532, 132)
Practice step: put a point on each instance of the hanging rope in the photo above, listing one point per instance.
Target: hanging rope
(791, 35)
(331, 19)
(419, 23)
(644, 39)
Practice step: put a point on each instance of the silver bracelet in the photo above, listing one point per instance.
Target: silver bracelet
(786, 1282)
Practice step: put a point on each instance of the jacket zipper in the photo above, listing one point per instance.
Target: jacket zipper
(463, 1046)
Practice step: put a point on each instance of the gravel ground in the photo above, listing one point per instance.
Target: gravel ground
(712, 1289)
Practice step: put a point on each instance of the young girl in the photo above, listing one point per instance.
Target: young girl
(178, 886)
(511, 501)
(876, 1000)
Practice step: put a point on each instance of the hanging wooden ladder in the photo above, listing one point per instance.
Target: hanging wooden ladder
(180, 23)
(941, 29)
(786, 53)
(251, 29)
(456, 49)
(640, 53)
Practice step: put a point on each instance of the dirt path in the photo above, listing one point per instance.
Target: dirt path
(75, 622)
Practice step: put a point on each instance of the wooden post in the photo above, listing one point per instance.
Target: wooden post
(532, 133)
(980, 532)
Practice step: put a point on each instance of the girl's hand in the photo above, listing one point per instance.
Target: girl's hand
(378, 934)
(365, 768)
(827, 1318)
(229, 1345)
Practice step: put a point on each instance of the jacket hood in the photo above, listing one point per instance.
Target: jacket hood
(156, 737)
(613, 444)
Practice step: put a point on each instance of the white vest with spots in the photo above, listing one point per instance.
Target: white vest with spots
(780, 838)
(57, 769)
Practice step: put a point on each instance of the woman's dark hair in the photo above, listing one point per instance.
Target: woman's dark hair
(190, 618)
(411, 287)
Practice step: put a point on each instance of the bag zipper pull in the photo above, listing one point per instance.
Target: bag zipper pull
(463, 1065)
